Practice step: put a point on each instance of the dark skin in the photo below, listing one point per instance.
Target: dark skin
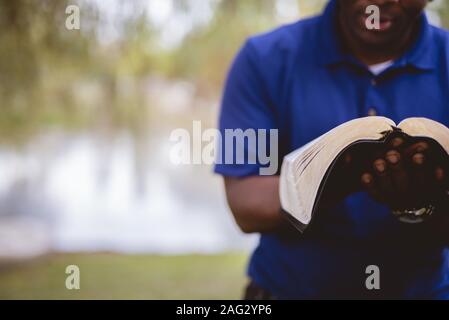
(400, 173)
(399, 20)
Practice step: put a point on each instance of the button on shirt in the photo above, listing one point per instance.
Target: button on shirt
(300, 80)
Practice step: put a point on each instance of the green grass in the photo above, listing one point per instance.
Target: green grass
(114, 276)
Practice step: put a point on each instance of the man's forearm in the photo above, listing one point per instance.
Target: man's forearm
(255, 203)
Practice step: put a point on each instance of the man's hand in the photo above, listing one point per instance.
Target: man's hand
(406, 175)
(401, 173)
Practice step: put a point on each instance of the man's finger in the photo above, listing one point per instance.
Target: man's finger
(383, 180)
(396, 142)
(441, 178)
(440, 174)
(418, 159)
(398, 176)
(369, 185)
(423, 179)
(418, 147)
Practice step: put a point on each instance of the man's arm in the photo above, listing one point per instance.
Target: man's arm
(254, 202)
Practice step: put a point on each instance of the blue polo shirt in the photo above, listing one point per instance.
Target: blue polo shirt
(300, 80)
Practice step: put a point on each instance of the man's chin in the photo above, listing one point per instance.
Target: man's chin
(376, 39)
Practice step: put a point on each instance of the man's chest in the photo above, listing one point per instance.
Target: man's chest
(314, 105)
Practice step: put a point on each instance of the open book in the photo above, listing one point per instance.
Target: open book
(304, 171)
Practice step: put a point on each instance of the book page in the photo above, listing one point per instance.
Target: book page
(423, 127)
(303, 170)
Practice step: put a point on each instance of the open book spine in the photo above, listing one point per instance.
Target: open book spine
(289, 188)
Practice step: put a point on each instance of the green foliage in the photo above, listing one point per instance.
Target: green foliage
(33, 40)
(206, 54)
(42, 64)
(444, 14)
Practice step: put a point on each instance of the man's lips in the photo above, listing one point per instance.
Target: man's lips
(385, 22)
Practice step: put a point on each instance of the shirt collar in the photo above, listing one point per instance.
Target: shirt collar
(421, 55)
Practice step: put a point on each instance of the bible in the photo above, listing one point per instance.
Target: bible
(304, 172)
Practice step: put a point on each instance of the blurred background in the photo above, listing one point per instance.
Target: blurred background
(85, 120)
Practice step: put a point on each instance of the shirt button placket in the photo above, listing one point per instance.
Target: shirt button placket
(372, 110)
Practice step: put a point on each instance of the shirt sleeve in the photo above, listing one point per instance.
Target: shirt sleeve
(246, 107)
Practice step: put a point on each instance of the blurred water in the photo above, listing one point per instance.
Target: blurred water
(111, 191)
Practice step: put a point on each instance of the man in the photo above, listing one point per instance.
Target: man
(305, 79)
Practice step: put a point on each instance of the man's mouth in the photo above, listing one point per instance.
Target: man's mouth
(385, 24)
